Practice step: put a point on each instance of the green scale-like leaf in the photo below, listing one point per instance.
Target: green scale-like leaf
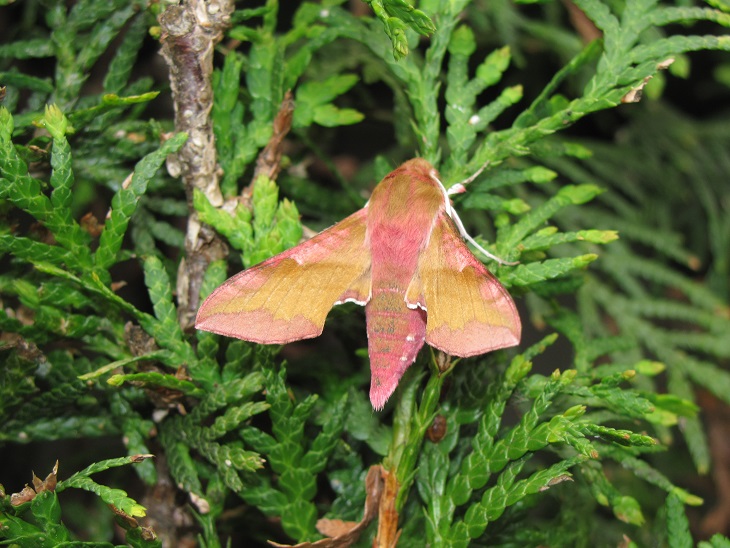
(125, 201)
(167, 330)
(397, 16)
(116, 497)
(314, 103)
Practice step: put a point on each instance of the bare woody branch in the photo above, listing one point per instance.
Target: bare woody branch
(190, 32)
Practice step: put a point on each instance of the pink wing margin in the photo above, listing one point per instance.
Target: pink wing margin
(287, 297)
(468, 311)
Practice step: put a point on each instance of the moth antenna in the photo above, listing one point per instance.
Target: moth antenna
(465, 235)
(458, 188)
(476, 174)
(451, 212)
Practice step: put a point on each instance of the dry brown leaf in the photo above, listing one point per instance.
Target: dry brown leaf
(342, 534)
(634, 96)
(91, 224)
(127, 521)
(443, 361)
(335, 527)
(388, 532)
(28, 493)
(268, 162)
(139, 457)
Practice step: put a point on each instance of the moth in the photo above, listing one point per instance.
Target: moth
(402, 257)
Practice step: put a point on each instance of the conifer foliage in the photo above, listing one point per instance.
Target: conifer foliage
(117, 217)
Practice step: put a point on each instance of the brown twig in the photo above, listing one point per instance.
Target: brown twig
(581, 23)
(189, 34)
(171, 520)
(717, 417)
(269, 159)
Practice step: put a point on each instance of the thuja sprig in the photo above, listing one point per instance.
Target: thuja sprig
(296, 461)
